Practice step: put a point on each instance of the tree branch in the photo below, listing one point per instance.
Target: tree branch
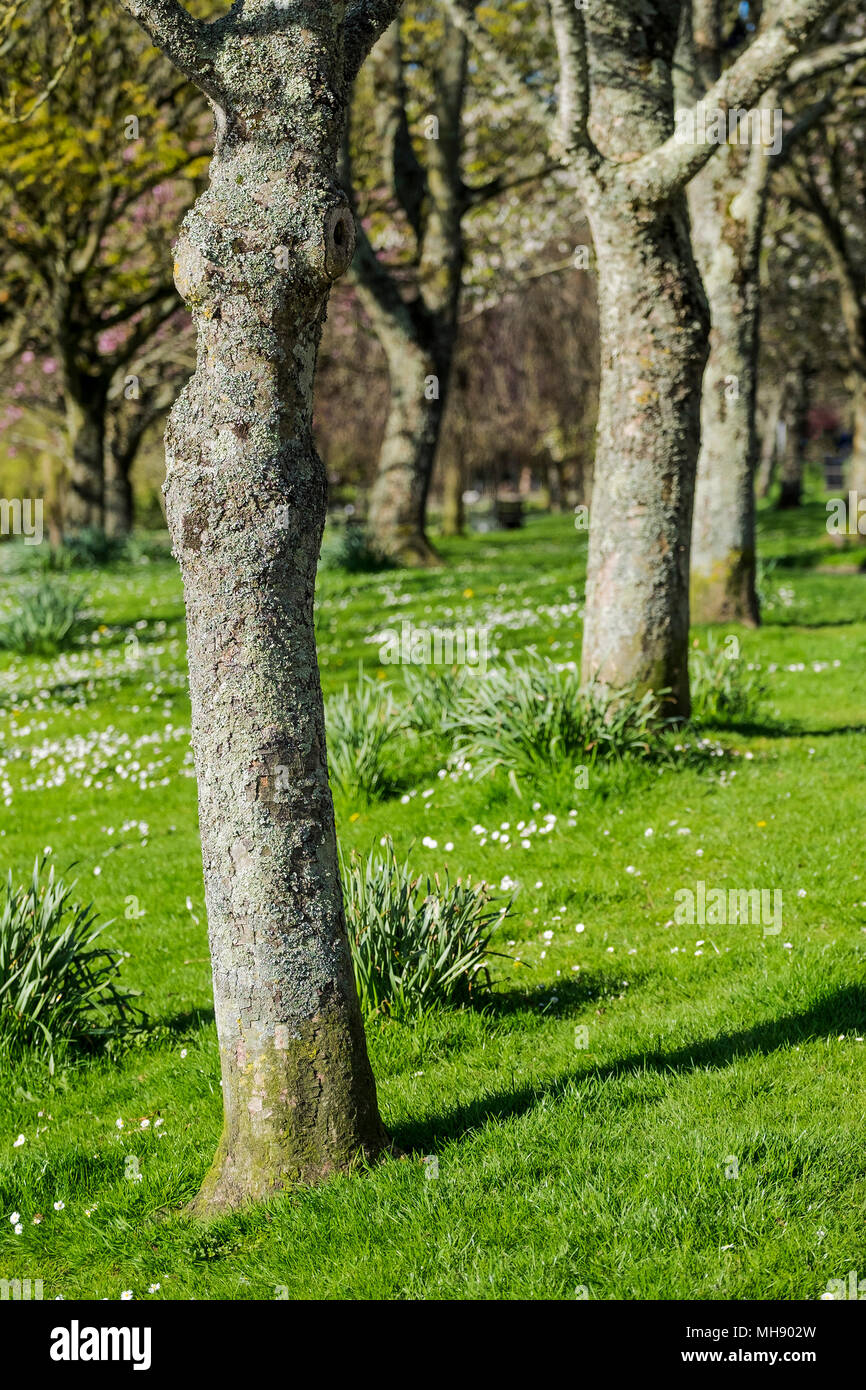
(174, 31)
(659, 173)
(366, 21)
(834, 55)
(505, 70)
(570, 37)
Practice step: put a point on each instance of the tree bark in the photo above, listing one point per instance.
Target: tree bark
(653, 325)
(728, 201)
(770, 437)
(85, 426)
(245, 498)
(397, 504)
(857, 461)
(417, 335)
(118, 498)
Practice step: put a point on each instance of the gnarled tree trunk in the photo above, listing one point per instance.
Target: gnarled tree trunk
(245, 496)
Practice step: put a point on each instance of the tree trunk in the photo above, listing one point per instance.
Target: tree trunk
(770, 439)
(857, 461)
(727, 200)
(418, 335)
(793, 455)
(85, 425)
(245, 498)
(118, 496)
(397, 505)
(653, 326)
(453, 518)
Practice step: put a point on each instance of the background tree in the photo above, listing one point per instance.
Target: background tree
(632, 172)
(728, 203)
(89, 186)
(411, 255)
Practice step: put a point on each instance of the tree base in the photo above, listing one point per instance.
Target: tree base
(726, 594)
(230, 1185)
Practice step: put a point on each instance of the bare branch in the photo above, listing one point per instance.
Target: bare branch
(826, 59)
(570, 36)
(366, 21)
(670, 166)
(496, 60)
(174, 31)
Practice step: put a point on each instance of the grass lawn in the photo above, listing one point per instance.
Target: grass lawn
(706, 1142)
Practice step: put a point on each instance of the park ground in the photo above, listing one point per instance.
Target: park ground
(641, 1109)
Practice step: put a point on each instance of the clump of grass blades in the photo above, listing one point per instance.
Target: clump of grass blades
(354, 552)
(57, 986)
(361, 725)
(432, 696)
(44, 621)
(529, 715)
(723, 688)
(416, 943)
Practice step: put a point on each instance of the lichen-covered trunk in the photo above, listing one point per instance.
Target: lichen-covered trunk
(397, 504)
(727, 201)
(245, 498)
(653, 328)
(85, 432)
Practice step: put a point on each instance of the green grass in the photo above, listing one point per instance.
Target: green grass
(559, 1165)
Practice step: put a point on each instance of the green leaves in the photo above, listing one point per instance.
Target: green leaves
(56, 985)
(415, 943)
(44, 621)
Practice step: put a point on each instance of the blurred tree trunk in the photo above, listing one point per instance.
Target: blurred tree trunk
(728, 200)
(85, 402)
(246, 496)
(792, 462)
(418, 333)
(770, 437)
(453, 518)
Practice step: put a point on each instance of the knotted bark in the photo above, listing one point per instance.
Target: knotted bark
(245, 498)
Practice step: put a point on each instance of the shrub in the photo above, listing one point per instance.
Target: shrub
(56, 985)
(354, 552)
(433, 695)
(723, 688)
(528, 716)
(416, 943)
(361, 724)
(91, 547)
(44, 621)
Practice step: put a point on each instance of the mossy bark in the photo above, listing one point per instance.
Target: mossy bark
(245, 498)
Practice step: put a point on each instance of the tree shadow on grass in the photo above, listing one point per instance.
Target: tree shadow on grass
(770, 729)
(842, 1011)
